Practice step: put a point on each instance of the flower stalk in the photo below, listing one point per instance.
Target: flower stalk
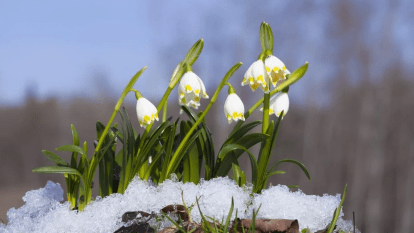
(266, 100)
(175, 158)
(127, 89)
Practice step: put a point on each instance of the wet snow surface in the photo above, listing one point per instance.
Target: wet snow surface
(44, 212)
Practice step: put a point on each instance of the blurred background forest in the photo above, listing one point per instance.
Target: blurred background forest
(350, 120)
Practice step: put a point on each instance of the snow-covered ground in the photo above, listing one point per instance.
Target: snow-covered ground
(44, 212)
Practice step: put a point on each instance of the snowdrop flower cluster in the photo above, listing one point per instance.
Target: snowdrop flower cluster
(260, 74)
(146, 112)
(190, 89)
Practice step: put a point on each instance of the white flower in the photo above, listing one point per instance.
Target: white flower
(278, 102)
(276, 70)
(256, 76)
(146, 112)
(190, 89)
(234, 108)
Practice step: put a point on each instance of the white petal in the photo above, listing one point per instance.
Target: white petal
(191, 98)
(258, 71)
(276, 69)
(234, 108)
(146, 112)
(203, 92)
(189, 83)
(273, 62)
(279, 102)
(248, 76)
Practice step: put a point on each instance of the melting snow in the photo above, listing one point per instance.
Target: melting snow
(44, 212)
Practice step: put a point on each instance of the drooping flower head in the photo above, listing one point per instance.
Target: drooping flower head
(278, 102)
(234, 108)
(190, 89)
(146, 112)
(276, 70)
(257, 77)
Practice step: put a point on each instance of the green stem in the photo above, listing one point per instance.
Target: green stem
(94, 163)
(259, 102)
(118, 106)
(176, 76)
(164, 112)
(265, 122)
(177, 73)
(173, 161)
(160, 105)
(231, 89)
(137, 93)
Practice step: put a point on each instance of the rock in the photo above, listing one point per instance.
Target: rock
(268, 225)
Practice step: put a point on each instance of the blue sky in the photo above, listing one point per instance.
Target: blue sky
(59, 46)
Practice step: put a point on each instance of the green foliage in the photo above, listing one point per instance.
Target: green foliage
(181, 147)
(186, 141)
(266, 38)
(79, 184)
(337, 212)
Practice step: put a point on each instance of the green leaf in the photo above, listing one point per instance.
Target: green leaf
(294, 77)
(75, 136)
(252, 139)
(57, 169)
(55, 158)
(238, 175)
(293, 186)
(72, 148)
(275, 133)
(263, 182)
(239, 132)
(263, 36)
(269, 36)
(226, 226)
(127, 130)
(129, 87)
(178, 153)
(266, 37)
(263, 160)
(194, 52)
(153, 164)
(252, 226)
(97, 158)
(224, 162)
(205, 141)
(191, 169)
(151, 141)
(105, 168)
(118, 158)
(83, 164)
(128, 149)
(306, 230)
(179, 158)
(210, 229)
(276, 173)
(169, 148)
(337, 212)
(294, 162)
(253, 161)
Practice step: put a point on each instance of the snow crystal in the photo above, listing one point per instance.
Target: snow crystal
(44, 212)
